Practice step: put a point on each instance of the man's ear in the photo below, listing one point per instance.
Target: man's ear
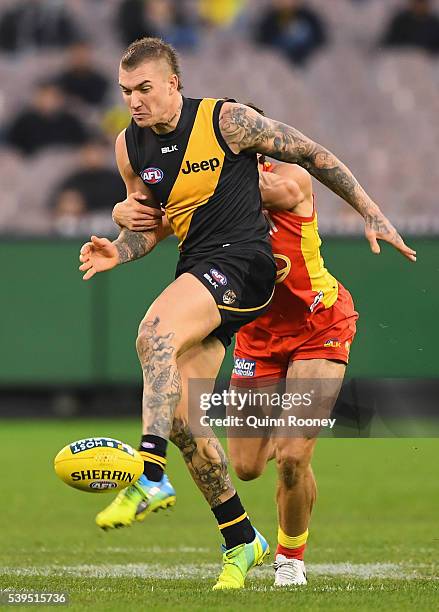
(173, 83)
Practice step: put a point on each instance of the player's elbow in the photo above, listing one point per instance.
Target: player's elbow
(286, 197)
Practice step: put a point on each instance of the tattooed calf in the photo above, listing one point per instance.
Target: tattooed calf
(161, 379)
(206, 461)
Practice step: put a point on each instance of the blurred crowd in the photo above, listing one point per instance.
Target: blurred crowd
(360, 76)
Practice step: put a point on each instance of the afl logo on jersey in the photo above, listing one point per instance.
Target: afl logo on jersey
(152, 175)
(220, 278)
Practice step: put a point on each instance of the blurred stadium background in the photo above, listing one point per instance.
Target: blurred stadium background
(359, 76)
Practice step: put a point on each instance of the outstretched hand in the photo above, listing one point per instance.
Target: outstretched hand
(378, 227)
(98, 255)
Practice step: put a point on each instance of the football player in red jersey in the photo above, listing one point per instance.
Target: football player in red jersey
(303, 338)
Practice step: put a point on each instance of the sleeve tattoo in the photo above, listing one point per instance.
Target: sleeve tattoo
(246, 129)
(134, 245)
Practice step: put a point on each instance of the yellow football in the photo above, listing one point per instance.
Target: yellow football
(98, 465)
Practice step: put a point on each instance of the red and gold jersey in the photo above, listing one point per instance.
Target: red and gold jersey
(303, 286)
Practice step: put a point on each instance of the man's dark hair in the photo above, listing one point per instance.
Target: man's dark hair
(147, 48)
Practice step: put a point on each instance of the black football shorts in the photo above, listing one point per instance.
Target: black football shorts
(241, 282)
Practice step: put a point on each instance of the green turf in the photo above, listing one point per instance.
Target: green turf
(378, 503)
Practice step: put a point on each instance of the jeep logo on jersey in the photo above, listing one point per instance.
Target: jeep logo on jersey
(206, 164)
(152, 175)
(220, 278)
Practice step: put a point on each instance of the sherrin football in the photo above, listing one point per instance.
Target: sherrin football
(98, 465)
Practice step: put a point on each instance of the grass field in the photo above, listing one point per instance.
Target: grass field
(374, 539)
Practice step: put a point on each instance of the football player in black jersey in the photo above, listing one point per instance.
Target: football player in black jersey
(221, 283)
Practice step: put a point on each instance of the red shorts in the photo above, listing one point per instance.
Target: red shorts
(328, 334)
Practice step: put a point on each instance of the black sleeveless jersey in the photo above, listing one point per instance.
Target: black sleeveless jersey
(210, 194)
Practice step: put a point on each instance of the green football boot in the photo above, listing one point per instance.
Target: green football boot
(238, 561)
(136, 502)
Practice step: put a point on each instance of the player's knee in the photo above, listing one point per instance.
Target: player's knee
(247, 470)
(291, 467)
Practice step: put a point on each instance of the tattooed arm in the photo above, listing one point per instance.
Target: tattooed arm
(133, 245)
(130, 244)
(100, 254)
(245, 129)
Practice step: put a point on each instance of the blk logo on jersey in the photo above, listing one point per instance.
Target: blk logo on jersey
(152, 175)
(170, 149)
(203, 166)
(220, 278)
(244, 367)
(210, 280)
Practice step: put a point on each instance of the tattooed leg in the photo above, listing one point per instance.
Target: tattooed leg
(161, 378)
(207, 465)
(201, 450)
(206, 461)
(182, 316)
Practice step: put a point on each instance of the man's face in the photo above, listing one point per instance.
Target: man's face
(48, 99)
(148, 91)
(80, 56)
(93, 155)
